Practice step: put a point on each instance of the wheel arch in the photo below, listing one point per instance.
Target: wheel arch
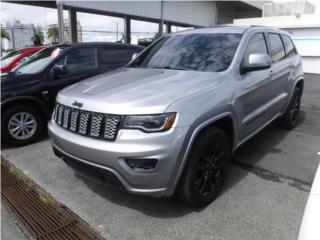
(299, 83)
(26, 100)
(223, 121)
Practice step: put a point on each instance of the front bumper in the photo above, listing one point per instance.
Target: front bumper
(108, 156)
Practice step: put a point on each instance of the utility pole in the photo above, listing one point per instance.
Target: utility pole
(12, 34)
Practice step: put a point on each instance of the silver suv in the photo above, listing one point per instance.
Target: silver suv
(170, 120)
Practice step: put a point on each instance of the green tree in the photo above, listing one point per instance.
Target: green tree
(4, 34)
(38, 37)
(53, 33)
(156, 36)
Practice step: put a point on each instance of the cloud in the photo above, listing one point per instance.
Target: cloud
(28, 14)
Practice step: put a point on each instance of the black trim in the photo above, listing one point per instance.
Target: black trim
(94, 173)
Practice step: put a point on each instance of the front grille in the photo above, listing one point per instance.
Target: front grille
(91, 124)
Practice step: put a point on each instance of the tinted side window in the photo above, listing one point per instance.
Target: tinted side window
(116, 55)
(276, 47)
(288, 45)
(256, 44)
(81, 59)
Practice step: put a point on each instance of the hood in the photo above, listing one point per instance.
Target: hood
(137, 91)
(10, 82)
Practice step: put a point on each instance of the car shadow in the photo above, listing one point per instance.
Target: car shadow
(4, 146)
(250, 153)
(155, 207)
(254, 150)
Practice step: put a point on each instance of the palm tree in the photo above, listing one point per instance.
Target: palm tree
(4, 34)
(53, 33)
(156, 36)
(38, 37)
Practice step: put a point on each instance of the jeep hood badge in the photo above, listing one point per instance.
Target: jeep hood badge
(77, 104)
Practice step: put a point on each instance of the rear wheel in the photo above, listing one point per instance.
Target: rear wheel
(21, 125)
(206, 168)
(291, 117)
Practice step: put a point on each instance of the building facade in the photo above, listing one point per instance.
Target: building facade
(304, 29)
(20, 35)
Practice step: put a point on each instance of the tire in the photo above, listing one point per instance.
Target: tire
(29, 132)
(206, 168)
(291, 116)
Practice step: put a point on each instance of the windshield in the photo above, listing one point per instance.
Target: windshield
(207, 52)
(38, 61)
(7, 59)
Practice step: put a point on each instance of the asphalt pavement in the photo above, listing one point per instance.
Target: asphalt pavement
(264, 196)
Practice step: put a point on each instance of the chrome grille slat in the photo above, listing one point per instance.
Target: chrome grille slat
(111, 126)
(83, 125)
(96, 122)
(66, 113)
(59, 117)
(91, 124)
(55, 112)
(74, 120)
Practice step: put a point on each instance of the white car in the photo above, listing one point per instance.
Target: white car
(310, 227)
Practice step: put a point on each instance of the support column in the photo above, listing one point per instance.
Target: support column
(161, 19)
(60, 21)
(73, 26)
(168, 27)
(160, 28)
(127, 29)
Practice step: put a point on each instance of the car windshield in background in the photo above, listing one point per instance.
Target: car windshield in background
(38, 61)
(207, 52)
(7, 59)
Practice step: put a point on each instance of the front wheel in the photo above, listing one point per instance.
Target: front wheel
(206, 168)
(21, 125)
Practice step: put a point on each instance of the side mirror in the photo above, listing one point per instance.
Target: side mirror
(134, 56)
(59, 69)
(255, 62)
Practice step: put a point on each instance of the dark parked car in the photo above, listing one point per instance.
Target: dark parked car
(28, 91)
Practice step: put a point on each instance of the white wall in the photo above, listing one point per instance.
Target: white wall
(305, 32)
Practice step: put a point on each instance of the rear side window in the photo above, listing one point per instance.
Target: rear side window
(116, 55)
(276, 47)
(81, 59)
(256, 44)
(288, 45)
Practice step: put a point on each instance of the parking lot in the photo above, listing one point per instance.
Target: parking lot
(263, 198)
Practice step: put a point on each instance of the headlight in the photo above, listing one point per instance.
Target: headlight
(150, 123)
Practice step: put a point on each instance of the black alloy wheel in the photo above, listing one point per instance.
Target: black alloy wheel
(206, 168)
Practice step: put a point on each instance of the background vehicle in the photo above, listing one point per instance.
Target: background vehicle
(310, 224)
(15, 57)
(171, 120)
(28, 92)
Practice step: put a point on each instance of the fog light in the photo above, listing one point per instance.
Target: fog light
(141, 164)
